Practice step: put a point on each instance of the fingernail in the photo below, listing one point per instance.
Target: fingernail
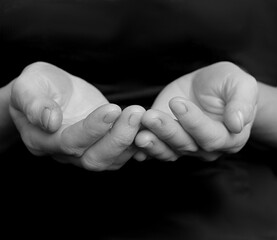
(45, 118)
(179, 107)
(158, 122)
(110, 117)
(147, 145)
(134, 119)
(240, 117)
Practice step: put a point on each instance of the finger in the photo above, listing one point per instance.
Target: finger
(140, 156)
(120, 137)
(240, 101)
(154, 147)
(169, 130)
(209, 134)
(81, 135)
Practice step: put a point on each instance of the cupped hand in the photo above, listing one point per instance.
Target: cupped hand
(62, 115)
(205, 113)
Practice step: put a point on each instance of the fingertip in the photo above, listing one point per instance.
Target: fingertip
(177, 99)
(111, 107)
(135, 109)
(154, 119)
(51, 119)
(143, 138)
(178, 106)
(111, 116)
(140, 156)
(133, 115)
(148, 117)
(234, 121)
(107, 113)
(45, 117)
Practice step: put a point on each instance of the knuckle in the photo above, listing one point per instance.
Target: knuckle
(29, 74)
(134, 108)
(169, 134)
(72, 151)
(186, 147)
(16, 88)
(34, 67)
(149, 115)
(227, 65)
(253, 81)
(122, 141)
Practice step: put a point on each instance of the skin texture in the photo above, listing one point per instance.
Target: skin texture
(62, 115)
(204, 114)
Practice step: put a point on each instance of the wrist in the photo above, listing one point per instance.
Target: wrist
(266, 103)
(7, 129)
(265, 124)
(5, 94)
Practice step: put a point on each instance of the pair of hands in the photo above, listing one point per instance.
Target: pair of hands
(204, 114)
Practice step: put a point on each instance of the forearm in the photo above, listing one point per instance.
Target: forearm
(8, 133)
(265, 124)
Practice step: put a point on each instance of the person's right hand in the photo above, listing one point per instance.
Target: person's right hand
(62, 115)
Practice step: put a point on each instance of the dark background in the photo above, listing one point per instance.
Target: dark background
(130, 50)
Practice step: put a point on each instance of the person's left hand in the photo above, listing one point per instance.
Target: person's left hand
(205, 113)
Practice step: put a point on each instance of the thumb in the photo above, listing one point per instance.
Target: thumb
(45, 113)
(241, 108)
(42, 112)
(237, 116)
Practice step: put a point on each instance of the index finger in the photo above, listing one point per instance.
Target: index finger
(209, 134)
(103, 154)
